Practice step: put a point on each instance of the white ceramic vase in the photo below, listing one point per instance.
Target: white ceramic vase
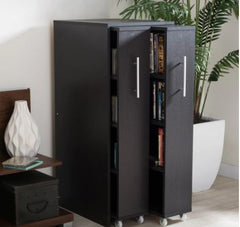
(22, 135)
(208, 140)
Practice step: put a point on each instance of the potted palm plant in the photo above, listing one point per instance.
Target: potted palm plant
(208, 21)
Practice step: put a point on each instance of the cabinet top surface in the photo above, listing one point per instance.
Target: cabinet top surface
(119, 22)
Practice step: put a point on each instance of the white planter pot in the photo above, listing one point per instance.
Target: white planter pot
(21, 135)
(208, 140)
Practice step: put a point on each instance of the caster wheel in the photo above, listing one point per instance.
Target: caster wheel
(163, 222)
(140, 219)
(183, 217)
(118, 224)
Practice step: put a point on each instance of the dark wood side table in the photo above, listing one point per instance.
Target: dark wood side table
(7, 99)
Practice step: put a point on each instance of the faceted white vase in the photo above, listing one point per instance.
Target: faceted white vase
(21, 135)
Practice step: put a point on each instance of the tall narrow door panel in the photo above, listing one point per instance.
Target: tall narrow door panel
(133, 131)
(82, 91)
(179, 120)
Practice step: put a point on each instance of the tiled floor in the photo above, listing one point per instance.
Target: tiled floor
(217, 207)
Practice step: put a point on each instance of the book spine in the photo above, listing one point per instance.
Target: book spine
(154, 100)
(35, 164)
(113, 114)
(155, 44)
(161, 54)
(163, 101)
(38, 163)
(159, 101)
(114, 61)
(151, 54)
(160, 146)
(115, 155)
(114, 109)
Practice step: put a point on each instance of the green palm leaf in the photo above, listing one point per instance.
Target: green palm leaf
(139, 9)
(224, 65)
(201, 60)
(167, 10)
(211, 18)
(174, 10)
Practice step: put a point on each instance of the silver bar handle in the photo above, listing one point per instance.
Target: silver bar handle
(138, 77)
(184, 75)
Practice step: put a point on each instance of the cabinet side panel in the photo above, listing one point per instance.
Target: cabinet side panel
(82, 120)
(179, 123)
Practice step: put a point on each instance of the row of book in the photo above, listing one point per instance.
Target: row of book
(114, 109)
(157, 53)
(159, 162)
(158, 100)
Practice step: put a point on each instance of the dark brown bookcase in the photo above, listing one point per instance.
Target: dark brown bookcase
(108, 166)
(7, 99)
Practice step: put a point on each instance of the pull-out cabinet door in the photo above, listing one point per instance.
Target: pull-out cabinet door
(179, 120)
(133, 125)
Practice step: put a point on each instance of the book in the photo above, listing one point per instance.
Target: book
(160, 146)
(154, 100)
(151, 54)
(163, 101)
(161, 54)
(20, 161)
(114, 109)
(115, 153)
(114, 61)
(155, 47)
(159, 101)
(28, 167)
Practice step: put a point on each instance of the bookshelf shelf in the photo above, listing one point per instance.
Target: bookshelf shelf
(158, 123)
(114, 125)
(114, 77)
(114, 171)
(157, 76)
(132, 98)
(157, 168)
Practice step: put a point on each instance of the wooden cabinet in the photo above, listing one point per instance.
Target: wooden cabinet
(109, 172)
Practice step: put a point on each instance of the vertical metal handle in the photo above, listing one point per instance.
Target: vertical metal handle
(138, 77)
(184, 75)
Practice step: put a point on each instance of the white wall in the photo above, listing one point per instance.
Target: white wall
(116, 7)
(223, 100)
(26, 58)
